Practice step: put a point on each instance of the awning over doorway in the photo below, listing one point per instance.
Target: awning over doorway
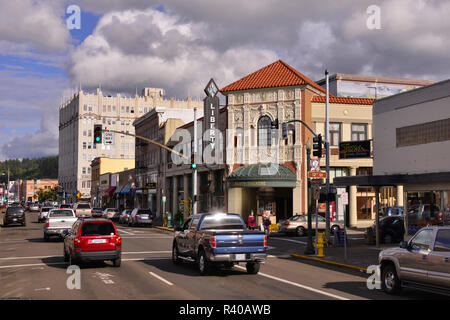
(126, 189)
(109, 192)
(262, 175)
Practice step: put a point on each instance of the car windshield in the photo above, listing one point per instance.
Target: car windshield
(222, 222)
(295, 218)
(61, 213)
(97, 229)
(83, 206)
(13, 210)
(144, 212)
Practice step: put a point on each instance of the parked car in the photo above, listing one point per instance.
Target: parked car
(111, 213)
(58, 221)
(391, 230)
(43, 214)
(34, 207)
(97, 212)
(298, 225)
(124, 215)
(393, 211)
(14, 215)
(82, 209)
(422, 263)
(425, 214)
(220, 240)
(141, 217)
(93, 240)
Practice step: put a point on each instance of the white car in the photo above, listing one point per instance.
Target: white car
(43, 214)
(111, 213)
(59, 221)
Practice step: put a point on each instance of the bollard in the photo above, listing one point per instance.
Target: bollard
(320, 246)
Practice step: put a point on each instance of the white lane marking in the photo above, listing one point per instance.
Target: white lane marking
(140, 252)
(147, 259)
(161, 278)
(290, 240)
(299, 285)
(43, 289)
(126, 232)
(32, 265)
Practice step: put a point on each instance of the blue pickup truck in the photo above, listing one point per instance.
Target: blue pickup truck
(219, 239)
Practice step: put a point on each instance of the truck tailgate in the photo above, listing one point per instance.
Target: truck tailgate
(240, 243)
(61, 223)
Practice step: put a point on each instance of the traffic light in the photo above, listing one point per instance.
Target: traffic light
(317, 146)
(284, 130)
(97, 133)
(274, 124)
(193, 164)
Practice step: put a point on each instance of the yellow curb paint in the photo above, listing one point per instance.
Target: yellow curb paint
(330, 262)
(164, 228)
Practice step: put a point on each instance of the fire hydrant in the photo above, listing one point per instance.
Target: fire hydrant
(320, 246)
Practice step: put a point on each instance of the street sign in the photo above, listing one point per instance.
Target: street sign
(315, 164)
(78, 195)
(108, 138)
(344, 198)
(316, 181)
(317, 175)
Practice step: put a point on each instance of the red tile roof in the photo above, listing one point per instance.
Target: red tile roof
(343, 100)
(277, 74)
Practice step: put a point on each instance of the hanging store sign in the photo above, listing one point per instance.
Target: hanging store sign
(211, 112)
(354, 149)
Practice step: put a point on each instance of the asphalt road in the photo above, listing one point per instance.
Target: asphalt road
(31, 268)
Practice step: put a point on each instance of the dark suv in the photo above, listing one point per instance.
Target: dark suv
(14, 215)
(391, 230)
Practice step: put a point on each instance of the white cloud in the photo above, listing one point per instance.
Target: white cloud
(38, 24)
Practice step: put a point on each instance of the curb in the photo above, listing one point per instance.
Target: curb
(164, 228)
(299, 256)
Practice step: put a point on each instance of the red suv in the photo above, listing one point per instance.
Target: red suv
(93, 240)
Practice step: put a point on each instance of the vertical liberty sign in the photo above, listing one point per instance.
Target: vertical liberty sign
(210, 125)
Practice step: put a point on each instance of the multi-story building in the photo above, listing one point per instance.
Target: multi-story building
(103, 184)
(372, 87)
(77, 117)
(29, 188)
(149, 155)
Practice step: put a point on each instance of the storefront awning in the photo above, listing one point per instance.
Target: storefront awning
(109, 192)
(262, 175)
(126, 189)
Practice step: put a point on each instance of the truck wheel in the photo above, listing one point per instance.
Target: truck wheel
(390, 283)
(175, 256)
(252, 267)
(203, 264)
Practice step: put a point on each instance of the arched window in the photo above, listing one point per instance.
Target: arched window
(264, 131)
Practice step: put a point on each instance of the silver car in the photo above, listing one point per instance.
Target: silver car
(298, 225)
(141, 217)
(422, 263)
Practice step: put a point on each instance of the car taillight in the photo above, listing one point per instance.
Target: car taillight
(287, 223)
(440, 216)
(47, 225)
(265, 241)
(92, 211)
(76, 242)
(75, 210)
(118, 240)
(213, 242)
(138, 215)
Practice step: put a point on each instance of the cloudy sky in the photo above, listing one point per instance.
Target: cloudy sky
(179, 45)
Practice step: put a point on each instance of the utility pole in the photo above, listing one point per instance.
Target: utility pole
(327, 147)
(309, 246)
(194, 173)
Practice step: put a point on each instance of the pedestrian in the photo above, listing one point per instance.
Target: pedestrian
(266, 222)
(251, 221)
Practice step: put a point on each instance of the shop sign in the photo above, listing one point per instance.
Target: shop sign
(211, 111)
(354, 149)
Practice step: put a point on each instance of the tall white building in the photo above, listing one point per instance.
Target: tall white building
(77, 117)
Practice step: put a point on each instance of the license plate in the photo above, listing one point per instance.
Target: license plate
(98, 241)
(240, 257)
(144, 218)
(14, 219)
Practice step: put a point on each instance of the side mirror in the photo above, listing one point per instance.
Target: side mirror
(404, 245)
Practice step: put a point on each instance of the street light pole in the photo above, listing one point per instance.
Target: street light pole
(309, 246)
(327, 147)
(194, 174)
